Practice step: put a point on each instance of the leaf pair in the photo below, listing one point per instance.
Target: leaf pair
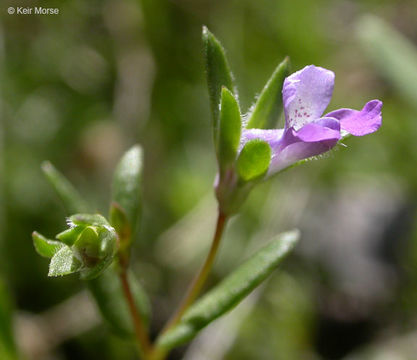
(253, 159)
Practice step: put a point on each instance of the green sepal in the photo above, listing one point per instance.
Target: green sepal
(87, 246)
(108, 295)
(127, 186)
(230, 129)
(268, 106)
(254, 159)
(45, 247)
(231, 291)
(70, 236)
(64, 262)
(97, 249)
(72, 200)
(218, 75)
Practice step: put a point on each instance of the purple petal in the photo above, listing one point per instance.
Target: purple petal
(323, 129)
(306, 94)
(360, 123)
(299, 151)
(311, 140)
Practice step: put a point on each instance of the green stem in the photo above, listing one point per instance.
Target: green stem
(197, 283)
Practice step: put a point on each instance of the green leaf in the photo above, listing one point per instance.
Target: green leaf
(72, 200)
(218, 75)
(230, 128)
(119, 221)
(108, 295)
(45, 247)
(63, 263)
(233, 289)
(127, 185)
(88, 220)
(254, 159)
(267, 108)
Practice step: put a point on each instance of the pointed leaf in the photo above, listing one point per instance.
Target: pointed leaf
(63, 263)
(45, 247)
(254, 159)
(218, 75)
(127, 184)
(72, 200)
(230, 128)
(267, 108)
(233, 289)
(108, 294)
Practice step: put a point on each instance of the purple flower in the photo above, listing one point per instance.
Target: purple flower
(306, 94)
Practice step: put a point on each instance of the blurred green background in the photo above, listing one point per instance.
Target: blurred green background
(81, 87)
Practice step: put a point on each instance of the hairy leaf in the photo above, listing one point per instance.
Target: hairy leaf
(218, 75)
(230, 128)
(233, 289)
(64, 263)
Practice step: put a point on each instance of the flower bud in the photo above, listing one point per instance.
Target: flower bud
(88, 247)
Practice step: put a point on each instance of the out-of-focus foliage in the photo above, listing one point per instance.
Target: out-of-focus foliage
(7, 344)
(80, 88)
